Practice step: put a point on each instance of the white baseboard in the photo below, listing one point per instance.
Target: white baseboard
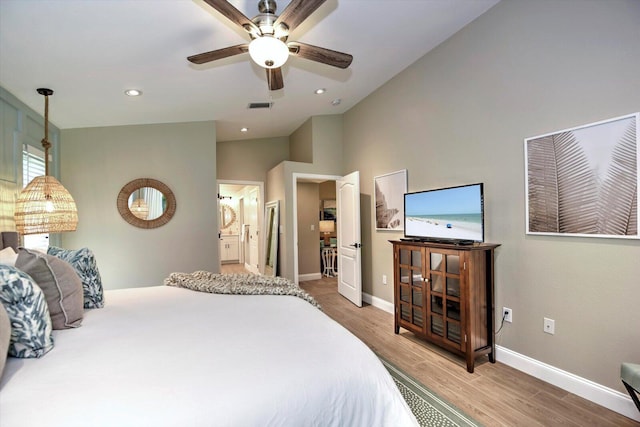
(378, 302)
(310, 276)
(587, 389)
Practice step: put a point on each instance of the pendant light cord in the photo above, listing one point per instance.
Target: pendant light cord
(45, 141)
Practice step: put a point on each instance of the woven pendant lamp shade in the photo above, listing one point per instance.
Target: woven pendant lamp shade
(45, 206)
(139, 208)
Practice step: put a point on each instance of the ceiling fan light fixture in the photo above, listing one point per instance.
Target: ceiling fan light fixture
(268, 52)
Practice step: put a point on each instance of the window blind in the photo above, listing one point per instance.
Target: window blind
(32, 163)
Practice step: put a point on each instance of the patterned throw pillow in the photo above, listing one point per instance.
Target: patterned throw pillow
(28, 312)
(5, 336)
(84, 262)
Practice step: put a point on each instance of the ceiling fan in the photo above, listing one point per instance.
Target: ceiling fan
(269, 33)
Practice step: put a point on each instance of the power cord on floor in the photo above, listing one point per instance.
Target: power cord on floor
(504, 315)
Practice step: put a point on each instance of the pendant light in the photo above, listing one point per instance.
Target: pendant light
(45, 206)
(139, 207)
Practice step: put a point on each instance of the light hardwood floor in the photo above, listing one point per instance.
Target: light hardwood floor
(495, 394)
(233, 269)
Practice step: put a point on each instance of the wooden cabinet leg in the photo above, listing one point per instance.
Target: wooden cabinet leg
(470, 362)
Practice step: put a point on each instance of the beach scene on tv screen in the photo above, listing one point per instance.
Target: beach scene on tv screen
(454, 213)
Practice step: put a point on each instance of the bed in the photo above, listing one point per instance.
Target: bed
(168, 356)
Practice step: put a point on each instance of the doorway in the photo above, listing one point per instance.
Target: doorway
(348, 244)
(240, 221)
(303, 245)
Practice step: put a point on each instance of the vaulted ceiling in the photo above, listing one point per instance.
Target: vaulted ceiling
(89, 52)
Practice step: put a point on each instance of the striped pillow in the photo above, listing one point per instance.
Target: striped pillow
(61, 286)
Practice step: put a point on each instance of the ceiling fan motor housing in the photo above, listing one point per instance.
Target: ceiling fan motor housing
(265, 21)
(267, 6)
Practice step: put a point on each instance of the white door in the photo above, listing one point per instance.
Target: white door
(252, 262)
(349, 252)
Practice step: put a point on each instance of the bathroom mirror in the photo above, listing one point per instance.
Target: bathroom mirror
(271, 222)
(146, 203)
(227, 216)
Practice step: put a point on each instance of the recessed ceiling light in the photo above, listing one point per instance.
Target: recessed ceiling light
(244, 130)
(133, 92)
(336, 101)
(320, 91)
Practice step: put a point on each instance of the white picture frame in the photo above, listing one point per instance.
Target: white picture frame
(583, 181)
(388, 200)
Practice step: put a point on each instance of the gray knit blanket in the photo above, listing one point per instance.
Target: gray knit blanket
(238, 284)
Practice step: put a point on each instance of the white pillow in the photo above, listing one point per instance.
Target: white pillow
(8, 256)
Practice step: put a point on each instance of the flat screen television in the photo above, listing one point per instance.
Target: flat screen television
(453, 214)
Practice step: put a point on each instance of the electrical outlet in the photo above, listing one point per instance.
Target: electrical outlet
(549, 326)
(508, 314)
(384, 279)
(313, 227)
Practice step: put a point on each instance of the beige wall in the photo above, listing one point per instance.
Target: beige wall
(460, 115)
(326, 133)
(327, 143)
(308, 234)
(249, 160)
(328, 190)
(97, 162)
(301, 144)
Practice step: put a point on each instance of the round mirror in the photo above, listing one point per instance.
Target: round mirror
(146, 203)
(227, 216)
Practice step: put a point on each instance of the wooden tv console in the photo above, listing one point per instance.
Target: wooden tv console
(444, 294)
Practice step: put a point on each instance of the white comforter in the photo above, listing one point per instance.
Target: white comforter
(164, 356)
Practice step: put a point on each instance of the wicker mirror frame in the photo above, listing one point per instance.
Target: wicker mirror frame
(136, 184)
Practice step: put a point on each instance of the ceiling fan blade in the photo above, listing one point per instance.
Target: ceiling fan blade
(203, 58)
(297, 11)
(274, 78)
(233, 15)
(320, 54)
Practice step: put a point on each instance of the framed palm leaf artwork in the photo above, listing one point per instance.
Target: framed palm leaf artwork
(584, 181)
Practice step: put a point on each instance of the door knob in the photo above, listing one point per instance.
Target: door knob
(356, 245)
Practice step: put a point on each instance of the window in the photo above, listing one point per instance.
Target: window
(33, 165)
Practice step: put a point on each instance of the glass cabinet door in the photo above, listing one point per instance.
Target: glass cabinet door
(411, 289)
(444, 272)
